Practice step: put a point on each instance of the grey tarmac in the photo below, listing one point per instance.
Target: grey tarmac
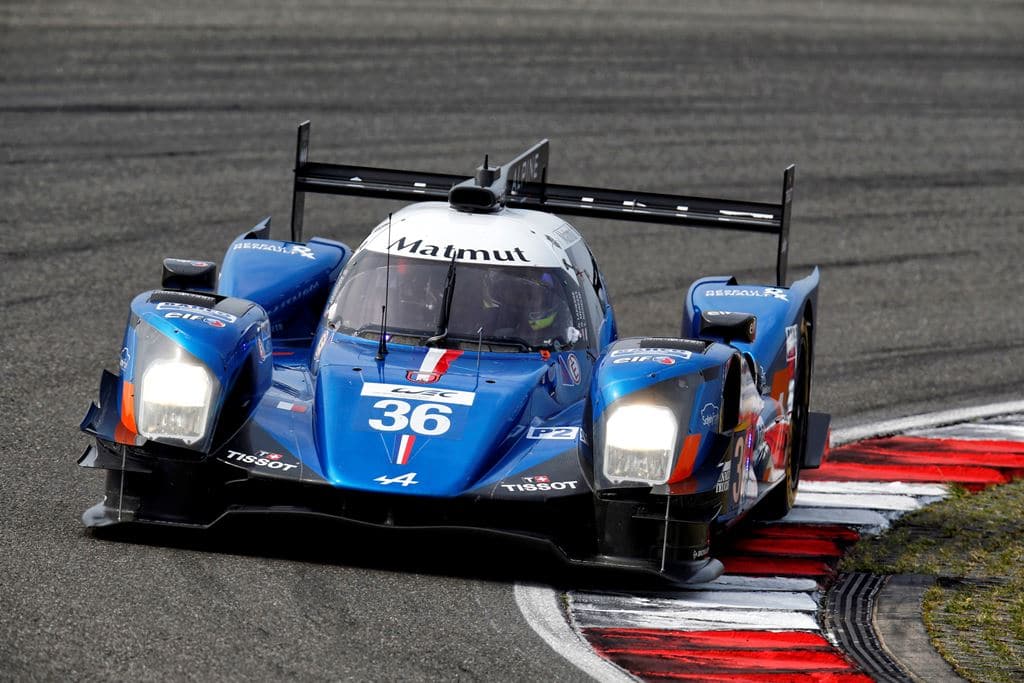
(132, 132)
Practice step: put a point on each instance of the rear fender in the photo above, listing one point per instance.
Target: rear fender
(290, 280)
(774, 307)
(778, 312)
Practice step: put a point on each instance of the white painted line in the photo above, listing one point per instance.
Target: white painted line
(862, 518)
(775, 601)
(866, 501)
(895, 488)
(974, 432)
(697, 619)
(542, 608)
(732, 582)
(903, 424)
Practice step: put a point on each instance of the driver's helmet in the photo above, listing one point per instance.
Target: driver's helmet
(533, 296)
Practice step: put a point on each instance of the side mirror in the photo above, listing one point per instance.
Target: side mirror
(728, 326)
(189, 275)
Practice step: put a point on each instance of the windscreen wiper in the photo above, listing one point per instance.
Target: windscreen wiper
(441, 332)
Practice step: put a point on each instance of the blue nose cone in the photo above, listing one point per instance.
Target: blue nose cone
(422, 422)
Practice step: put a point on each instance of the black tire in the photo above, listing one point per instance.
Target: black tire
(779, 501)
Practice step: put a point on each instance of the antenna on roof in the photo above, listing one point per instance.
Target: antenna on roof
(382, 347)
(485, 175)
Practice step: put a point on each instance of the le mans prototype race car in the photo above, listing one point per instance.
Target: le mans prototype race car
(461, 370)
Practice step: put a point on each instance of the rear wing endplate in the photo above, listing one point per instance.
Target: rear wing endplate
(522, 183)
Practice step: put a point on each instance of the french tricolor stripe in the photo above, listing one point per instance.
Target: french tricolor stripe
(293, 407)
(435, 364)
(405, 442)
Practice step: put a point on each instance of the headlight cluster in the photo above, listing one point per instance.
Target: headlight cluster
(174, 401)
(174, 391)
(639, 444)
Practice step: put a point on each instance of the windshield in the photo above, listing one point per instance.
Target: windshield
(523, 308)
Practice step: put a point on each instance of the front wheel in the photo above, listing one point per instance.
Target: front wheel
(779, 501)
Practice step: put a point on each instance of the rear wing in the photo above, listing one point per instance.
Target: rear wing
(522, 183)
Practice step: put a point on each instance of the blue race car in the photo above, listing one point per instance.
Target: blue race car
(461, 369)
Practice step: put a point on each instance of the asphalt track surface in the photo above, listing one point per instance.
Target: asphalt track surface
(130, 133)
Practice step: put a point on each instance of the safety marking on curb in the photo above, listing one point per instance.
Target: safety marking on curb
(760, 621)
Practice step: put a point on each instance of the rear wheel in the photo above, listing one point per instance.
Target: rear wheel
(780, 500)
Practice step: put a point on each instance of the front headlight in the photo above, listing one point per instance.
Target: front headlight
(174, 400)
(639, 444)
(174, 391)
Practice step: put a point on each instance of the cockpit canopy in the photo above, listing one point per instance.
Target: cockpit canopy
(506, 308)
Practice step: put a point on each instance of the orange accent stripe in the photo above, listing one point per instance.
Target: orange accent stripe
(686, 458)
(128, 407)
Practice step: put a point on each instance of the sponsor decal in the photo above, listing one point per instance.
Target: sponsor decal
(450, 250)
(701, 553)
(574, 369)
(527, 170)
(198, 310)
(293, 299)
(181, 315)
(556, 433)
(722, 485)
(291, 407)
(567, 235)
(664, 360)
(535, 485)
(263, 340)
(407, 479)
(677, 353)
(422, 377)
(125, 358)
(761, 292)
(792, 338)
(579, 310)
(202, 300)
(266, 459)
(709, 414)
(570, 366)
(291, 249)
(408, 393)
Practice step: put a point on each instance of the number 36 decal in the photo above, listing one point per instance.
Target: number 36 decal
(429, 419)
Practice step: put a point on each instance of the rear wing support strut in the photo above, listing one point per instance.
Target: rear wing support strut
(522, 183)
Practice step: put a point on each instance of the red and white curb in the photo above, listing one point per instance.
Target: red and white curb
(761, 620)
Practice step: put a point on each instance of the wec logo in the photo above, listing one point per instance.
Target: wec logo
(411, 393)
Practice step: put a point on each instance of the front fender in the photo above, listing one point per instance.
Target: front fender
(228, 337)
(684, 376)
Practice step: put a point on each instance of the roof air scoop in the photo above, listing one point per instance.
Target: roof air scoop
(488, 190)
